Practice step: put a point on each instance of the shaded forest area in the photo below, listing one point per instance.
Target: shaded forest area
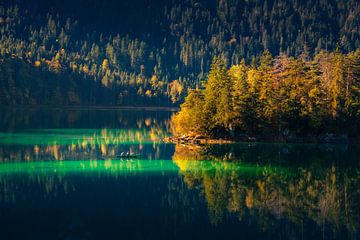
(149, 52)
(23, 84)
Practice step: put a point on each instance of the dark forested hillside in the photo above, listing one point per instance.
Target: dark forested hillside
(150, 51)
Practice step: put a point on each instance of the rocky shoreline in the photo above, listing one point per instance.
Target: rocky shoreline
(201, 140)
(197, 140)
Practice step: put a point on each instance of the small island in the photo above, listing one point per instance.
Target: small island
(281, 99)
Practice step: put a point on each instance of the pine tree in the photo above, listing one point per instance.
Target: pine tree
(218, 114)
(238, 75)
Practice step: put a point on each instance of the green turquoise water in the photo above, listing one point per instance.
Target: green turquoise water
(62, 177)
(79, 136)
(123, 167)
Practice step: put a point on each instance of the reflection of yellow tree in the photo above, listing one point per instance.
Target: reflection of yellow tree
(50, 186)
(323, 195)
(105, 143)
(53, 178)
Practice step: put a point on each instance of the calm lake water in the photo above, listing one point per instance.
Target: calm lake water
(61, 177)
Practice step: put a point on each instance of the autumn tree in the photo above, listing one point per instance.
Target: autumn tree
(190, 119)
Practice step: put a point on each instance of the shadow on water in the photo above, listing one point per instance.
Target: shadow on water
(64, 180)
(15, 119)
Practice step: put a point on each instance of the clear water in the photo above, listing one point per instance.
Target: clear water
(61, 177)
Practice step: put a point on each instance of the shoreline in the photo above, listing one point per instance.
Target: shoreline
(195, 141)
(199, 140)
(90, 107)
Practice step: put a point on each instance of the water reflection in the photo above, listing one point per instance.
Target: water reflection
(56, 134)
(299, 192)
(262, 193)
(70, 159)
(19, 119)
(51, 178)
(62, 144)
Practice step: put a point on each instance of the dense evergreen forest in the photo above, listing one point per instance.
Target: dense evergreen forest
(283, 98)
(118, 53)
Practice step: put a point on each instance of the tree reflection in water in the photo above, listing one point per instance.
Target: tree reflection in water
(321, 185)
(65, 144)
(266, 186)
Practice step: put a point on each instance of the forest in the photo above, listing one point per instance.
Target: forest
(280, 97)
(107, 55)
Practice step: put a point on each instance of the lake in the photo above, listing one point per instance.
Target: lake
(63, 175)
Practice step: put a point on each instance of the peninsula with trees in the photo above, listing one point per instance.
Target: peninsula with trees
(279, 98)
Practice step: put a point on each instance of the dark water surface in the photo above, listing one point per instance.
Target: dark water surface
(61, 177)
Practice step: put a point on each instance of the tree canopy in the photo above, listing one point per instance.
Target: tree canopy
(284, 96)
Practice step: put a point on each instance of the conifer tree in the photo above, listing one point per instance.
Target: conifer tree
(238, 75)
(217, 105)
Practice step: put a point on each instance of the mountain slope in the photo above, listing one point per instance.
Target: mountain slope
(157, 49)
